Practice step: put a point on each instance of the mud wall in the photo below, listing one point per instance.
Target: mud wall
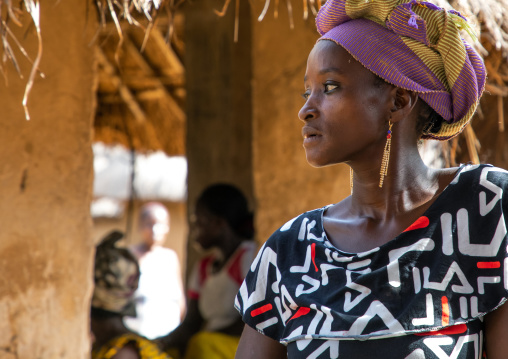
(46, 248)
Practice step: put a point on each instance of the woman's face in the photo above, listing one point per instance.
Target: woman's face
(207, 228)
(346, 111)
(154, 227)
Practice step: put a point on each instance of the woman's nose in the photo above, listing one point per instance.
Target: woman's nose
(308, 111)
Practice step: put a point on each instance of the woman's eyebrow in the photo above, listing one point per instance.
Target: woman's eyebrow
(326, 71)
(331, 69)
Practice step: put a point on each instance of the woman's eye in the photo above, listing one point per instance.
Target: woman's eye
(330, 87)
(306, 95)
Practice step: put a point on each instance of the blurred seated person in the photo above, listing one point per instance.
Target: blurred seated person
(160, 300)
(116, 276)
(224, 228)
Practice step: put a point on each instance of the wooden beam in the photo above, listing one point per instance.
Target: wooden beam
(106, 83)
(159, 53)
(139, 58)
(133, 51)
(151, 95)
(136, 82)
(140, 82)
(175, 109)
(110, 99)
(496, 89)
(176, 66)
(148, 95)
(123, 90)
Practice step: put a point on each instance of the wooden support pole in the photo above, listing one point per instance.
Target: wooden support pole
(500, 113)
(472, 144)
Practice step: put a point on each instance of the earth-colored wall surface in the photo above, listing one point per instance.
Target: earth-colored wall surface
(46, 249)
(218, 108)
(285, 184)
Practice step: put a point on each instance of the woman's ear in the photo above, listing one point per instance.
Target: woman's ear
(404, 102)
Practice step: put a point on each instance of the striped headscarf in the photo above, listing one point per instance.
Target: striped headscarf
(414, 45)
(116, 277)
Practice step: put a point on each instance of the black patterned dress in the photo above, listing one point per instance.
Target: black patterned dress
(422, 295)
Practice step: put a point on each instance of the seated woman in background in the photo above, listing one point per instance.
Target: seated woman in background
(116, 278)
(212, 327)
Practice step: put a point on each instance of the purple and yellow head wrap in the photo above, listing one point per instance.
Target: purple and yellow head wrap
(414, 45)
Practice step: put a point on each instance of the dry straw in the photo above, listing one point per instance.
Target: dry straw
(131, 10)
(10, 14)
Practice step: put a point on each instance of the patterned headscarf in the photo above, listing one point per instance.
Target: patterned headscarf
(414, 45)
(116, 277)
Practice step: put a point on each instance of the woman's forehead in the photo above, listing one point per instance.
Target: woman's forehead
(327, 56)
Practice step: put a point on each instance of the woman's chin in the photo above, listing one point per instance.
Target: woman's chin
(316, 161)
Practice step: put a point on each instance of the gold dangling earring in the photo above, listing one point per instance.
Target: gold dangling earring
(351, 179)
(386, 155)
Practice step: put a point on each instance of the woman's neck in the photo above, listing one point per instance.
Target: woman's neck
(229, 245)
(408, 185)
(106, 329)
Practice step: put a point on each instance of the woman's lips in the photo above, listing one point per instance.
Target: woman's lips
(310, 135)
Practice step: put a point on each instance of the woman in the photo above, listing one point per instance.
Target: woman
(160, 299)
(413, 263)
(116, 279)
(212, 326)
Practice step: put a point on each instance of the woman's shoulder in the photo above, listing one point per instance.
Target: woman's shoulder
(480, 172)
(134, 344)
(308, 225)
(475, 179)
(129, 351)
(129, 345)
(295, 223)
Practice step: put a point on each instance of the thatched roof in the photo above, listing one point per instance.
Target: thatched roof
(141, 93)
